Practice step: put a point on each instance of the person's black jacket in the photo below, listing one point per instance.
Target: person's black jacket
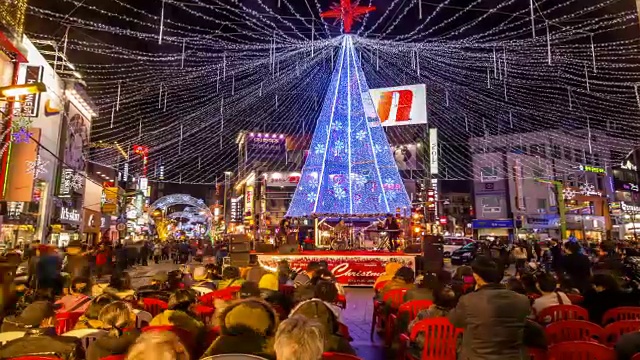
(556, 258)
(597, 303)
(35, 342)
(277, 298)
(610, 263)
(578, 268)
(112, 345)
(628, 345)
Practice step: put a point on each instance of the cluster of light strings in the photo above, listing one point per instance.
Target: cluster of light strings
(214, 68)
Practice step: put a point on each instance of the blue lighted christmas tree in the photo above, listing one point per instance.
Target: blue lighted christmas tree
(350, 170)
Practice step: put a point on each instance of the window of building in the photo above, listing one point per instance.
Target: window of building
(556, 151)
(568, 154)
(542, 204)
(577, 155)
(489, 172)
(537, 150)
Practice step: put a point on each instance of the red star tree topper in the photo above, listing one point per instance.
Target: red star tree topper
(348, 12)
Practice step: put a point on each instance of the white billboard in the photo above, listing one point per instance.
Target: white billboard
(433, 151)
(401, 105)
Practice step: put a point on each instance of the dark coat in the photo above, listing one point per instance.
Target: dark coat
(493, 319)
(112, 345)
(556, 257)
(36, 343)
(597, 303)
(578, 268)
(418, 294)
(628, 345)
(316, 309)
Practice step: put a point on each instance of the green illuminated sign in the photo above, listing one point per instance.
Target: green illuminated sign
(593, 169)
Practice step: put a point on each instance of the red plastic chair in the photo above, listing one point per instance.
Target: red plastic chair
(154, 306)
(576, 299)
(393, 299)
(621, 313)
(205, 313)
(377, 287)
(66, 321)
(411, 309)
(342, 301)
(612, 332)
(537, 354)
(114, 357)
(226, 294)
(339, 356)
(562, 312)
(636, 357)
(440, 338)
(580, 350)
(344, 331)
(572, 330)
(377, 315)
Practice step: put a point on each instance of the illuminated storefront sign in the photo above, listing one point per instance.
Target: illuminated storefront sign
(593, 169)
(69, 214)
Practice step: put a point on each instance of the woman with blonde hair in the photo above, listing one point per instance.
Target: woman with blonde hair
(120, 321)
(158, 345)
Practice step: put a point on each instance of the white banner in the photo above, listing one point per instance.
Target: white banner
(402, 105)
(433, 151)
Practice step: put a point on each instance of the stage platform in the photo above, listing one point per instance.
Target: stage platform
(351, 268)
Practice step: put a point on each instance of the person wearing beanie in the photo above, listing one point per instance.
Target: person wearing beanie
(389, 272)
(247, 326)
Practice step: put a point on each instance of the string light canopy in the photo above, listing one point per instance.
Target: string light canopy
(184, 78)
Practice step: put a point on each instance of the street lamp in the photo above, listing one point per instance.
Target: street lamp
(22, 90)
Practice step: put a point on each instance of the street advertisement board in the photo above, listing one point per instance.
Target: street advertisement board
(265, 147)
(348, 270)
(401, 105)
(29, 105)
(406, 156)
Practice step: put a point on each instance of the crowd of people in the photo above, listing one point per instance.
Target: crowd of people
(258, 317)
(284, 314)
(499, 314)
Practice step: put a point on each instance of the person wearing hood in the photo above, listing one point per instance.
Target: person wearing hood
(389, 272)
(269, 291)
(120, 321)
(247, 326)
(90, 318)
(38, 321)
(327, 315)
(403, 279)
(179, 314)
(230, 278)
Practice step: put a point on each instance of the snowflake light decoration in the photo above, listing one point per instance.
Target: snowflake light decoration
(338, 192)
(20, 123)
(337, 125)
(37, 167)
(311, 197)
(21, 136)
(76, 182)
(338, 148)
(377, 148)
(361, 135)
(319, 149)
(568, 193)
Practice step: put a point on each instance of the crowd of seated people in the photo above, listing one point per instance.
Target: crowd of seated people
(256, 316)
(498, 317)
